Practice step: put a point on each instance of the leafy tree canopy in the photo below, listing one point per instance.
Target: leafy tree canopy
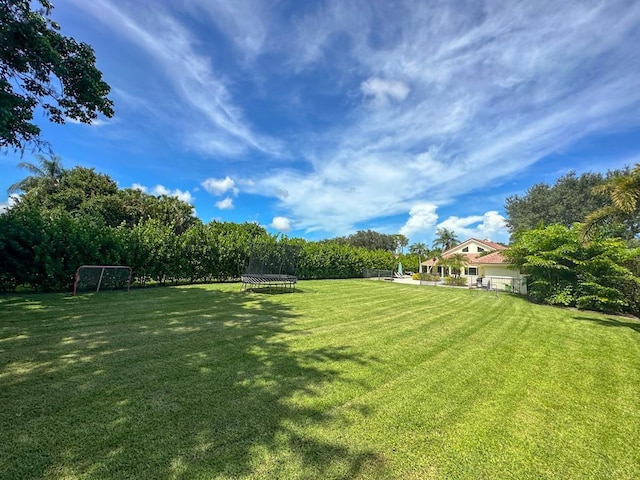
(372, 240)
(601, 274)
(570, 199)
(83, 191)
(41, 67)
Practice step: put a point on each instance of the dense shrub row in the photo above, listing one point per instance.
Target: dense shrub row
(43, 249)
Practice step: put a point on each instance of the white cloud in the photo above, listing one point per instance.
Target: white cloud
(246, 181)
(340, 194)
(226, 204)
(383, 91)
(282, 224)
(185, 196)
(490, 226)
(158, 190)
(11, 201)
(220, 186)
(422, 218)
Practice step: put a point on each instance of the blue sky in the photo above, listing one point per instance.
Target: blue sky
(320, 118)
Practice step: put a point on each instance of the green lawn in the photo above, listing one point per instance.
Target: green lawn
(343, 379)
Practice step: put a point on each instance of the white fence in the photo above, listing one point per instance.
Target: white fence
(503, 284)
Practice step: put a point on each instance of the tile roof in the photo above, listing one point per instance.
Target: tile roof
(492, 259)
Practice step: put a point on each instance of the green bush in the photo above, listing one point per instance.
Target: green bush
(426, 277)
(455, 281)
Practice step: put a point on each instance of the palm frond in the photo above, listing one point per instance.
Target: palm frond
(625, 193)
(597, 219)
(32, 168)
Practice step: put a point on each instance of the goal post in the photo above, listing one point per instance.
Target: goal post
(96, 277)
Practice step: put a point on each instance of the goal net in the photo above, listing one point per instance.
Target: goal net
(376, 273)
(273, 258)
(102, 277)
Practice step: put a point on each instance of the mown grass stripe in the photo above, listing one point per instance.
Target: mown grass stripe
(344, 379)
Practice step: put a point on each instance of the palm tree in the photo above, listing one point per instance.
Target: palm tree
(455, 262)
(445, 238)
(624, 192)
(45, 175)
(401, 242)
(418, 249)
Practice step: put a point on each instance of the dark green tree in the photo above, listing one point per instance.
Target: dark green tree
(81, 189)
(173, 212)
(40, 67)
(139, 206)
(597, 275)
(570, 199)
(20, 232)
(371, 240)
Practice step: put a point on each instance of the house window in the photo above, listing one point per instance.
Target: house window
(472, 271)
(465, 249)
(480, 249)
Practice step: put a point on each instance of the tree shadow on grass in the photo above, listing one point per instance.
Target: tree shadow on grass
(176, 382)
(611, 322)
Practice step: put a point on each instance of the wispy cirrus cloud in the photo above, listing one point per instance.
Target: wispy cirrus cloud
(245, 23)
(192, 74)
(493, 91)
(400, 108)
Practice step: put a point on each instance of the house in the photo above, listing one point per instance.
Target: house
(484, 265)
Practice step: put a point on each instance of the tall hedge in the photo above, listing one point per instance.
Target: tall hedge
(43, 249)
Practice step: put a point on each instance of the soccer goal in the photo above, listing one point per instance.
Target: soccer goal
(101, 277)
